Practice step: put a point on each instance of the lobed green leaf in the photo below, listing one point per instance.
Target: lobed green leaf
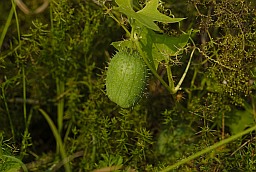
(147, 16)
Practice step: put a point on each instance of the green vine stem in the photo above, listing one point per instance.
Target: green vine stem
(185, 72)
(57, 138)
(7, 24)
(7, 111)
(108, 11)
(24, 94)
(136, 41)
(208, 149)
(170, 78)
(170, 88)
(60, 106)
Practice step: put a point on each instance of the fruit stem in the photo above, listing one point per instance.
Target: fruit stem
(114, 18)
(170, 79)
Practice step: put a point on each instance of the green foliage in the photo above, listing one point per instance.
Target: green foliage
(199, 101)
(171, 142)
(121, 133)
(239, 121)
(8, 162)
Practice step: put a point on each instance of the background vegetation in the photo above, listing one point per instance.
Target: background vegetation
(54, 113)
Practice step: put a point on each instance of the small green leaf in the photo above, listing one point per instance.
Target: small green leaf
(121, 45)
(147, 15)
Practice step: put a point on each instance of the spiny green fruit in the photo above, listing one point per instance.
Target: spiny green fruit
(126, 79)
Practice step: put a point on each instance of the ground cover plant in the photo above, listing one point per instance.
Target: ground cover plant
(183, 101)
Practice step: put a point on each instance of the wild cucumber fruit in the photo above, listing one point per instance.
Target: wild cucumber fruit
(126, 79)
